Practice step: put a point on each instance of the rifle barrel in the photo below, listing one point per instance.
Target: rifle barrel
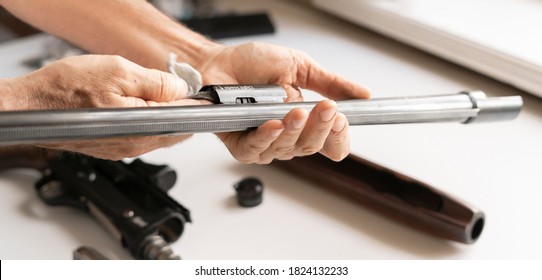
(40, 126)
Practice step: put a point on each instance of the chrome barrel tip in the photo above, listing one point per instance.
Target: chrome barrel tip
(494, 108)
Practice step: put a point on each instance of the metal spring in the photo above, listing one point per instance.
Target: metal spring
(154, 247)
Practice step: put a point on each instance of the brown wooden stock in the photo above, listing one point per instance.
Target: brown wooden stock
(392, 194)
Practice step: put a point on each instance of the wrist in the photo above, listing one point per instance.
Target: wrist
(152, 43)
(190, 47)
(28, 92)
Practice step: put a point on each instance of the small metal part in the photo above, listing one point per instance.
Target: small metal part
(138, 221)
(51, 189)
(46, 172)
(492, 109)
(103, 219)
(154, 247)
(162, 176)
(249, 192)
(128, 213)
(89, 176)
(130, 201)
(242, 94)
(87, 253)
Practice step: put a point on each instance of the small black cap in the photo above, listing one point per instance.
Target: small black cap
(249, 192)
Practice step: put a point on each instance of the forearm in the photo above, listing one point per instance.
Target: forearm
(133, 29)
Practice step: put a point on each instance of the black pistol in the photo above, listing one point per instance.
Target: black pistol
(130, 200)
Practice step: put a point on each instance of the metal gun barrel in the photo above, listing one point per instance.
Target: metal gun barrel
(52, 125)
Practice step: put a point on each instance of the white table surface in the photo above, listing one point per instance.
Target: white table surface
(496, 167)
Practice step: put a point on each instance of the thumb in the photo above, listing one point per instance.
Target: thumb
(312, 76)
(160, 86)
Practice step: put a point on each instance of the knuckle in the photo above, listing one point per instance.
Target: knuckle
(253, 45)
(264, 161)
(117, 60)
(302, 54)
(338, 157)
(118, 65)
(285, 158)
(283, 150)
(338, 140)
(309, 150)
(164, 87)
(255, 148)
(243, 159)
(336, 154)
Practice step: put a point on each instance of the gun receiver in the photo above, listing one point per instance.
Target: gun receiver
(130, 200)
(242, 107)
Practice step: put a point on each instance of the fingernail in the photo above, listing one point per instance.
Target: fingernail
(340, 123)
(276, 132)
(328, 114)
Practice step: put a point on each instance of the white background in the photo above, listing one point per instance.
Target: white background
(496, 167)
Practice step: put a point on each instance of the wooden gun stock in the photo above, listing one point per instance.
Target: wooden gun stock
(392, 194)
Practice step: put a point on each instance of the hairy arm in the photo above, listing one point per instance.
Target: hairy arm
(139, 32)
(133, 29)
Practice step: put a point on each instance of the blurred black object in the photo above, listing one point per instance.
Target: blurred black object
(249, 192)
(231, 25)
(129, 200)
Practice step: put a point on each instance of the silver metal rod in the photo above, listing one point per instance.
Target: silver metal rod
(18, 127)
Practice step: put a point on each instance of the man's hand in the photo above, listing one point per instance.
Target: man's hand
(299, 133)
(102, 81)
(95, 25)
